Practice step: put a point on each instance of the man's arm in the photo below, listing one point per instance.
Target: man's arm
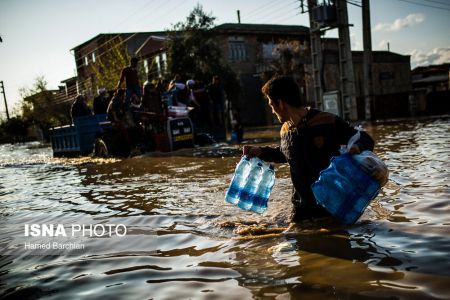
(122, 76)
(265, 153)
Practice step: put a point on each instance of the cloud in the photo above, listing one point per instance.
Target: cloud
(383, 44)
(355, 43)
(398, 24)
(434, 57)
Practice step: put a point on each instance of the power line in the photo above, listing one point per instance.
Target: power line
(425, 5)
(439, 2)
(266, 11)
(257, 11)
(275, 12)
(140, 9)
(283, 14)
(358, 4)
(120, 34)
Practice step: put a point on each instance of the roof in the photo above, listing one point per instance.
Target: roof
(383, 56)
(122, 34)
(152, 44)
(261, 28)
(431, 79)
(69, 79)
(442, 68)
(226, 28)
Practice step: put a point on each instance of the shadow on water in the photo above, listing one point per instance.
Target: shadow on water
(175, 247)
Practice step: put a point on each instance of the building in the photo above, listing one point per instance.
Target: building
(255, 51)
(88, 53)
(251, 50)
(391, 80)
(431, 89)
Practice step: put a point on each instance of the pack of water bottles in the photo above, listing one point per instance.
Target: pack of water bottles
(251, 185)
(350, 182)
(344, 189)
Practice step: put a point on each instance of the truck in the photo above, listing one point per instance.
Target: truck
(96, 135)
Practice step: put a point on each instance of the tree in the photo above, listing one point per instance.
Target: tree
(13, 130)
(193, 50)
(109, 63)
(291, 58)
(39, 106)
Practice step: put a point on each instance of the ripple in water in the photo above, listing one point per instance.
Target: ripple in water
(175, 249)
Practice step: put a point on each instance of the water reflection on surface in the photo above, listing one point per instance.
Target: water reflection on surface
(175, 249)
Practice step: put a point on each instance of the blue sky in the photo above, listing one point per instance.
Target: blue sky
(38, 34)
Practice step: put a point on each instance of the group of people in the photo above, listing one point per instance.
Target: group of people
(207, 101)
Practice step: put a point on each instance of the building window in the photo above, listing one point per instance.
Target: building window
(146, 66)
(86, 61)
(158, 65)
(237, 49)
(164, 62)
(93, 57)
(268, 50)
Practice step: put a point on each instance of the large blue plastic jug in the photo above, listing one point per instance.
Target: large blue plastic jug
(344, 189)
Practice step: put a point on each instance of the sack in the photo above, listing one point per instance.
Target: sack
(368, 161)
(373, 165)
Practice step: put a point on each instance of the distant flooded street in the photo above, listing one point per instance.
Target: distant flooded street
(175, 247)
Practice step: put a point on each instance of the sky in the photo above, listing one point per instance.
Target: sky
(38, 35)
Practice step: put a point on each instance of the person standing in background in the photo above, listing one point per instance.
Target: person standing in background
(133, 86)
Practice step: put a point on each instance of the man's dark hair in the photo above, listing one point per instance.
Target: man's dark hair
(134, 60)
(284, 88)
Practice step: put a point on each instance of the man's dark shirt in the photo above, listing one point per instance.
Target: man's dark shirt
(79, 109)
(308, 148)
(131, 76)
(100, 105)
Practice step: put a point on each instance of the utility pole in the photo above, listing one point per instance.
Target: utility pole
(316, 54)
(329, 15)
(4, 97)
(368, 59)
(347, 76)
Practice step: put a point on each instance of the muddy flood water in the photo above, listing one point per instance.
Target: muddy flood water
(177, 246)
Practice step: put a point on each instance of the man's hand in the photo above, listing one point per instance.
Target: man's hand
(251, 151)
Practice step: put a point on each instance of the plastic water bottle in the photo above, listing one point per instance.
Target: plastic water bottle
(344, 189)
(247, 193)
(237, 183)
(263, 192)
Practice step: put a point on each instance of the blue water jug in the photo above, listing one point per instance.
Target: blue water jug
(237, 183)
(247, 193)
(344, 189)
(264, 189)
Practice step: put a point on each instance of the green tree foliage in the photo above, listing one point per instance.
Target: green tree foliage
(40, 107)
(193, 51)
(109, 63)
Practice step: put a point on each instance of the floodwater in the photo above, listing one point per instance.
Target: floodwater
(175, 246)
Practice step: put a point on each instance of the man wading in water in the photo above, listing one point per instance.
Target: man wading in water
(309, 139)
